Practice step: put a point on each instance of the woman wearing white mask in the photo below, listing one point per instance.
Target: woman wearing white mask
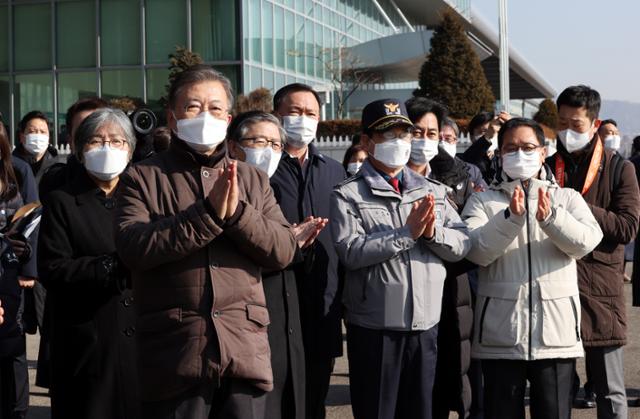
(527, 233)
(354, 158)
(34, 147)
(93, 325)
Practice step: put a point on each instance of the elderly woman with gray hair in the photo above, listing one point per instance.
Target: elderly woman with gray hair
(93, 335)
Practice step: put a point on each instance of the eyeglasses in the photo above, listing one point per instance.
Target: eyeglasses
(391, 135)
(115, 142)
(526, 148)
(194, 109)
(263, 142)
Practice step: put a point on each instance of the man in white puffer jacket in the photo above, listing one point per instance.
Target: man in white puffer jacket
(526, 234)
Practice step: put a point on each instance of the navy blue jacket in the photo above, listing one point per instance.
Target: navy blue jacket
(319, 282)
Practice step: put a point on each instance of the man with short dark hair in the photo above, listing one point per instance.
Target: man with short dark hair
(302, 185)
(197, 230)
(609, 185)
(610, 134)
(392, 229)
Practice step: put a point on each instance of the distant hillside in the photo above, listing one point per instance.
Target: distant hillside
(626, 114)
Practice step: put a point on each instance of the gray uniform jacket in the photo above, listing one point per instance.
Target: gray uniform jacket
(392, 281)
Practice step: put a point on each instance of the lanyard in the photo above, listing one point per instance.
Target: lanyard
(594, 165)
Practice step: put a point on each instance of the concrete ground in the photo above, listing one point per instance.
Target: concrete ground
(338, 404)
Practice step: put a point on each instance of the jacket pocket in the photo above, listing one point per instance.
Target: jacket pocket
(375, 217)
(499, 320)
(258, 314)
(560, 313)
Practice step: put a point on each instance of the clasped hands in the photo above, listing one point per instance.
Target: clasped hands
(517, 205)
(422, 218)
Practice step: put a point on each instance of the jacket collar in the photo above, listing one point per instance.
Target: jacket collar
(84, 188)
(188, 156)
(379, 186)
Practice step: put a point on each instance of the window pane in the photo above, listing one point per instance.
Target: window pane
(71, 87)
(231, 71)
(279, 37)
(267, 33)
(32, 29)
(5, 106)
(309, 47)
(76, 27)
(4, 39)
(120, 27)
(33, 92)
(299, 44)
(254, 30)
(214, 29)
(157, 79)
(290, 41)
(118, 83)
(162, 38)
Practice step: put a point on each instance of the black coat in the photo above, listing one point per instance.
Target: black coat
(477, 154)
(300, 194)
(39, 168)
(635, 276)
(287, 399)
(92, 335)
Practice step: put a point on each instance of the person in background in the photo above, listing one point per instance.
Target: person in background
(483, 130)
(449, 140)
(161, 139)
(17, 273)
(353, 159)
(302, 185)
(93, 365)
(609, 185)
(391, 226)
(527, 234)
(451, 386)
(197, 229)
(34, 146)
(609, 133)
(257, 138)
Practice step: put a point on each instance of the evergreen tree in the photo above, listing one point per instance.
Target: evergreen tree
(547, 114)
(179, 60)
(452, 73)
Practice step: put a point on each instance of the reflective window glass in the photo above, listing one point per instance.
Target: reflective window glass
(33, 92)
(279, 37)
(71, 87)
(267, 33)
(157, 80)
(162, 38)
(76, 33)
(32, 31)
(120, 27)
(5, 106)
(4, 39)
(118, 83)
(290, 41)
(214, 29)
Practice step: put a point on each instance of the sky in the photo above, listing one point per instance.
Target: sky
(577, 42)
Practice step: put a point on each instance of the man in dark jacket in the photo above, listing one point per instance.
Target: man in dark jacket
(197, 230)
(610, 187)
(302, 185)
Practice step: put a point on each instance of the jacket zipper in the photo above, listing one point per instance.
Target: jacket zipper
(484, 310)
(575, 316)
(526, 203)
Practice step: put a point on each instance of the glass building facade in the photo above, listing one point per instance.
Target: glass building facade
(53, 52)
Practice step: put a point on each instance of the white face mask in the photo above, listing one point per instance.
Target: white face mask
(574, 141)
(450, 148)
(106, 163)
(393, 153)
(423, 151)
(36, 143)
(612, 142)
(520, 165)
(264, 159)
(301, 130)
(352, 168)
(551, 150)
(202, 133)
